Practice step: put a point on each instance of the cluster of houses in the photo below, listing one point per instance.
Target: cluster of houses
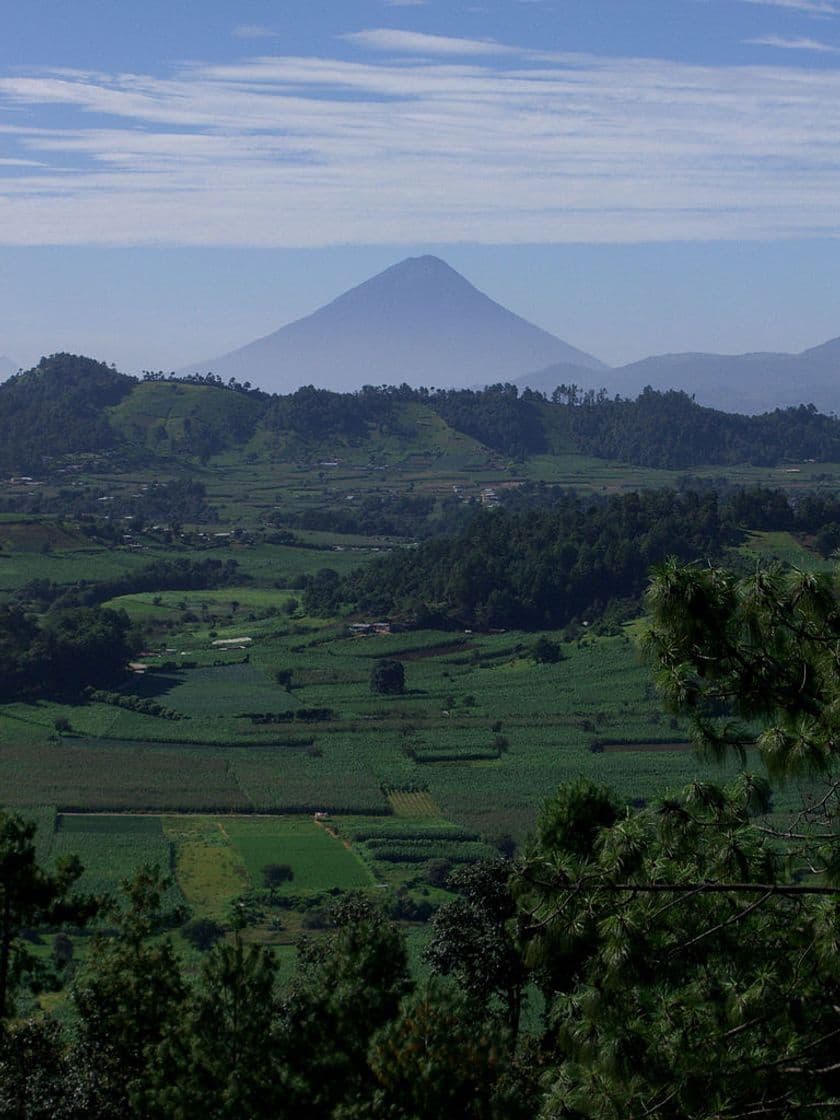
(361, 629)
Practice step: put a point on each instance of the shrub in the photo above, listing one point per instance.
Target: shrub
(387, 677)
(546, 652)
(276, 874)
(437, 872)
(203, 933)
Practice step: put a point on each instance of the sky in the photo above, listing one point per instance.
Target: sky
(636, 176)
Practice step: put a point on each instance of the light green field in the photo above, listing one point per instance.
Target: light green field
(210, 871)
(785, 547)
(319, 860)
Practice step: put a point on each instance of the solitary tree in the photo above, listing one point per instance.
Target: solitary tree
(388, 677)
(276, 874)
(545, 651)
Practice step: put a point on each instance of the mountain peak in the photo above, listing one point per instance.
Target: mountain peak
(418, 321)
(424, 264)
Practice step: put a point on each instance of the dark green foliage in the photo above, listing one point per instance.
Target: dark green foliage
(276, 874)
(70, 652)
(669, 430)
(58, 408)
(128, 997)
(203, 933)
(685, 973)
(399, 515)
(322, 592)
(497, 416)
(472, 940)
(349, 984)
(541, 569)
(443, 1057)
(29, 897)
(179, 574)
(133, 703)
(735, 650)
(388, 677)
(545, 651)
(284, 678)
(504, 844)
(319, 414)
(36, 1074)
(62, 403)
(18, 633)
(177, 501)
(221, 1058)
(437, 871)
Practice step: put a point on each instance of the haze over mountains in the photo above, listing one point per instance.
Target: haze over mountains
(418, 322)
(422, 323)
(749, 383)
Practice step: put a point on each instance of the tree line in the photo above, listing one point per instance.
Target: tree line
(61, 405)
(550, 558)
(65, 654)
(179, 574)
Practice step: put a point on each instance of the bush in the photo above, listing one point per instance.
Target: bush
(504, 844)
(276, 874)
(203, 933)
(546, 652)
(437, 872)
(387, 677)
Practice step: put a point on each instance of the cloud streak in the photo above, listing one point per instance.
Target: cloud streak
(820, 8)
(253, 31)
(416, 43)
(800, 44)
(435, 140)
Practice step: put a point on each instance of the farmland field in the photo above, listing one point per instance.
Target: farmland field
(213, 761)
(318, 859)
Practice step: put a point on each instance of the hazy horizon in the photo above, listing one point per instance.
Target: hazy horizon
(637, 178)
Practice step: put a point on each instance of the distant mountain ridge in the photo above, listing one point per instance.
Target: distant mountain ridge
(419, 322)
(743, 383)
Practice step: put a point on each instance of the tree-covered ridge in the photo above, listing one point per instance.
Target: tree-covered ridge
(671, 430)
(71, 405)
(549, 558)
(58, 408)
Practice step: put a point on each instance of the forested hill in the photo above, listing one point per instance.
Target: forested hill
(540, 569)
(670, 430)
(69, 405)
(59, 407)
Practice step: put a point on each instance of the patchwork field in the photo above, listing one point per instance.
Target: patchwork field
(415, 785)
(232, 750)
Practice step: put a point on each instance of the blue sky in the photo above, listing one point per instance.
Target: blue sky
(178, 178)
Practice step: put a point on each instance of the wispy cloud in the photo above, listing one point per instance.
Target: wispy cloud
(405, 3)
(414, 42)
(437, 140)
(253, 31)
(809, 7)
(801, 44)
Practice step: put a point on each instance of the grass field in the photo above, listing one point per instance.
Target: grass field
(318, 859)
